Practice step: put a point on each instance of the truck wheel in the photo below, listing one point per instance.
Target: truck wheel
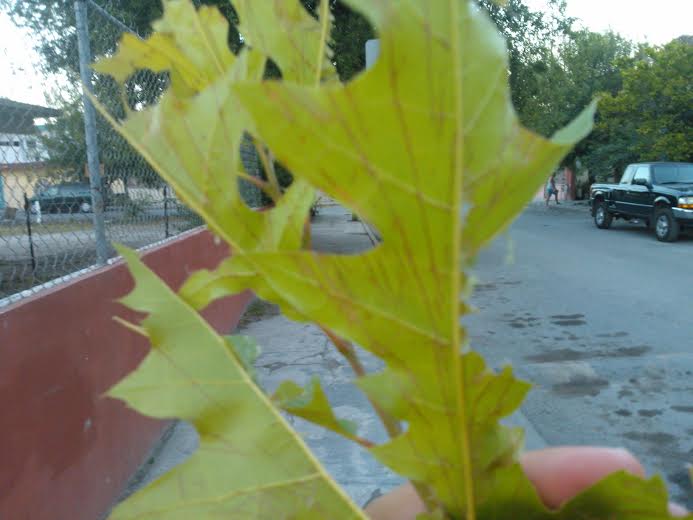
(666, 227)
(602, 217)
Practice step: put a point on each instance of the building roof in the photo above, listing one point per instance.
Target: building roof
(18, 118)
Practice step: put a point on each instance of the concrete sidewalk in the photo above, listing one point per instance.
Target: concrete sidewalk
(298, 351)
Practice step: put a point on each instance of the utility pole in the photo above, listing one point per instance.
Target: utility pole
(93, 165)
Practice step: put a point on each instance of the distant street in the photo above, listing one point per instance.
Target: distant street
(602, 322)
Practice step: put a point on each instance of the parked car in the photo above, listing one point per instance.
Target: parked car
(660, 194)
(65, 198)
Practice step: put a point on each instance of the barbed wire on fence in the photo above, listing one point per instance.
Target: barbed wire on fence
(49, 222)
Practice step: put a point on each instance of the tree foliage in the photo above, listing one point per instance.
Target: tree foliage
(531, 37)
(583, 65)
(650, 118)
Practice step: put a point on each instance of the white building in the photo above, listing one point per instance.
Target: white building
(22, 161)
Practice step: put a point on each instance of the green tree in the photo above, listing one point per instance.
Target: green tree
(585, 64)
(531, 37)
(657, 92)
(651, 117)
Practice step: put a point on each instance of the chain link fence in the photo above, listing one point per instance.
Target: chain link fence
(70, 186)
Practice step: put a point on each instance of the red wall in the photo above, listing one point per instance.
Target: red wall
(66, 453)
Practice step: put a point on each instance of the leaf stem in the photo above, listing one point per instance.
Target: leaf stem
(346, 349)
(264, 186)
(268, 166)
(362, 442)
(307, 237)
(324, 27)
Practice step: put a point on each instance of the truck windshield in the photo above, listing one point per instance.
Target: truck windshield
(673, 173)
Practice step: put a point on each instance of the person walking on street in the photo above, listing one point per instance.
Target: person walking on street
(551, 189)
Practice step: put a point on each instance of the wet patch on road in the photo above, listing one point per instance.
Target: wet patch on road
(570, 323)
(613, 335)
(567, 354)
(581, 387)
(622, 352)
(681, 479)
(551, 356)
(623, 412)
(567, 316)
(683, 409)
(569, 320)
(522, 322)
(648, 384)
(649, 413)
(656, 438)
(665, 447)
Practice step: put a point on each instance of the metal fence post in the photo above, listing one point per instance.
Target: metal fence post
(27, 212)
(166, 211)
(84, 49)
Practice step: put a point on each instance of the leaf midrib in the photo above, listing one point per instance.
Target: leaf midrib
(456, 286)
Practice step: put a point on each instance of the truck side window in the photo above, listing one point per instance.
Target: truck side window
(643, 172)
(628, 175)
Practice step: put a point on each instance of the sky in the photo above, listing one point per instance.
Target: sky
(655, 22)
(19, 79)
(652, 21)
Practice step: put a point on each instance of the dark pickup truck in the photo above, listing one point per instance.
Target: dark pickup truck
(660, 194)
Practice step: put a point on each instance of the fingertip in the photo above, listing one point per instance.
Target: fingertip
(560, 474)
(677, 510)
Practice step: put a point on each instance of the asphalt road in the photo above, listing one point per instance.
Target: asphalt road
(602, 322)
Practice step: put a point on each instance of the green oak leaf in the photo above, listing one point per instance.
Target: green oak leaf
(284, 31)
(418, 155)
(203, 166)
(426, 147)
(250, 463)
(189, 44)
(311, 404)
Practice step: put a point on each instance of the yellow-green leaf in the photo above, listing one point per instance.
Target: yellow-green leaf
(311, 404)
(284, 31)
(619, 496)
(425, 146)
(204, 165)
(189, 44)
(419, 145)
(249, 464)
(488, 398)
